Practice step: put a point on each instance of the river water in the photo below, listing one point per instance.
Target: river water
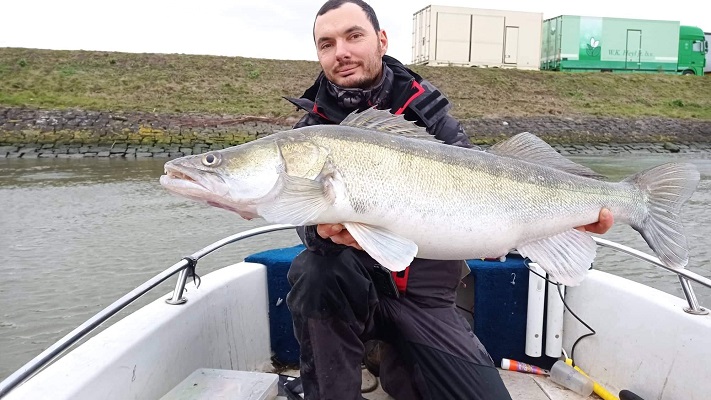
(77, 234)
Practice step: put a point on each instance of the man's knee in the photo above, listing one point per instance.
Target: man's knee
(329, 286)
(313, 270)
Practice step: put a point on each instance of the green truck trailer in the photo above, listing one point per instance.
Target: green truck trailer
(575, 43)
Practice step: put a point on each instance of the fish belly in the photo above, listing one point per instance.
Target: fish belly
(484, 226)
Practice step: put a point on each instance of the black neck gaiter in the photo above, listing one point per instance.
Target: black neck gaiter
(355, 98)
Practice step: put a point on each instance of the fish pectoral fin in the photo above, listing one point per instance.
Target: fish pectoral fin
(298, 201)
(392, 251)
(566, 257)
(530, 148)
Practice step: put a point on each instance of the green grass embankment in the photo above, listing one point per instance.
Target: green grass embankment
(174, 83)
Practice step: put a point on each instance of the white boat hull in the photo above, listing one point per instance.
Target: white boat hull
(645, 342)
(224, 325)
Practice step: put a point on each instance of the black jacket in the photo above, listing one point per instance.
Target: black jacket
(414, 97)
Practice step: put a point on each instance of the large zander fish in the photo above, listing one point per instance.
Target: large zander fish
(402, 197)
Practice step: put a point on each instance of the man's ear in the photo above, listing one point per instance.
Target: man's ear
(383, 38)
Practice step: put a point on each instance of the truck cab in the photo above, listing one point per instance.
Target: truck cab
(692, 51)
(707, 68)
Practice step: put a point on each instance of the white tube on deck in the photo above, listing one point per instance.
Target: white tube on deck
(554, 321)
(534, 315)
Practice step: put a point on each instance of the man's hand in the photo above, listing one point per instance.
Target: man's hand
(338, 234)
(604, 223)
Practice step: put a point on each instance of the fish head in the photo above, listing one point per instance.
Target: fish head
(241, 178)
(235, 179)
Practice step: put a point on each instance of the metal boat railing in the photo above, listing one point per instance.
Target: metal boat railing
(684, 275)
(186, 266)
(182, 267)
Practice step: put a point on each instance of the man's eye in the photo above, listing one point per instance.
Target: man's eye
(325, 46)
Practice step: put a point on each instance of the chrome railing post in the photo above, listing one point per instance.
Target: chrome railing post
(694, 307)
(177, 297)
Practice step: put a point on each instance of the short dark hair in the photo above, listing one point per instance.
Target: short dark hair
(334, 4)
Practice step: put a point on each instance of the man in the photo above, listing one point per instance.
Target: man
(340, 296)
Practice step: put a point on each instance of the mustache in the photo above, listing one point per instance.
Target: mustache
(345, 65)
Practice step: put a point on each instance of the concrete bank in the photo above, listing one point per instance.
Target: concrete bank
(33, 133)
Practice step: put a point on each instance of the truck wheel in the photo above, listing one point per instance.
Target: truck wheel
(688, 72)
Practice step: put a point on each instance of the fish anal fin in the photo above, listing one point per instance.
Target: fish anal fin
(566, 257)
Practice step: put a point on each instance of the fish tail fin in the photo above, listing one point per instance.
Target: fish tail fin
(666, 188)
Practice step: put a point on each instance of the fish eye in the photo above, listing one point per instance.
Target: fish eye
(211, 159)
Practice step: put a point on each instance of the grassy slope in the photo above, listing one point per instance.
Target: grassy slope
(241, 86)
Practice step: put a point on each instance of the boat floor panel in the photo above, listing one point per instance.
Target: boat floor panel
(521, 386)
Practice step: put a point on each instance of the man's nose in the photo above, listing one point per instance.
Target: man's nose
(342, 50)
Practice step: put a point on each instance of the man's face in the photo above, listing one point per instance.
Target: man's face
(348, 48)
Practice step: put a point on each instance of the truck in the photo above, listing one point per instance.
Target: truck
(707, 68)
(579, 43)
(475, 37)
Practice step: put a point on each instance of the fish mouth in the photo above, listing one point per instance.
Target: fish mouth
(202, 186)
(188, 181)
(175, 174)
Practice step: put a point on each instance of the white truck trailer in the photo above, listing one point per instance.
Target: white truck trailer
(476, 37)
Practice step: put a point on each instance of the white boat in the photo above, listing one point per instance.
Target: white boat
(225, 335)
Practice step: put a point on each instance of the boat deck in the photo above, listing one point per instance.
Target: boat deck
(521, 386)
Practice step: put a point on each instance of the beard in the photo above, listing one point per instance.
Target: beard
(371, 68)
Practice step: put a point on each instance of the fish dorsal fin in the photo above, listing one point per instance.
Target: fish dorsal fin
(392, 251)
(529, 147)
(566, 257)
(384, 121)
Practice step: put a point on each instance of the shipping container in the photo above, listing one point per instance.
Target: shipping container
(476, 37)
(577, 43)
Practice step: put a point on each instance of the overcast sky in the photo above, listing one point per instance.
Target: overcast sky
(277, 29)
